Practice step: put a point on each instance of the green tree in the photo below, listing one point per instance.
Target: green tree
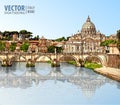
(35, 37)
(13, 46)
(1, 33)
(7, 35)
(24, 47)
(59, 49)
(2, 46)
(67, 38)
(14, 32)
(107, 42)
(25, 34)
(51, 49)
(61, 39)
(118, 37)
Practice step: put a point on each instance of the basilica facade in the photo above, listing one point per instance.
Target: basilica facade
(85, 41)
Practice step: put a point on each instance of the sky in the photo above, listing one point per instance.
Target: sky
(57, 18)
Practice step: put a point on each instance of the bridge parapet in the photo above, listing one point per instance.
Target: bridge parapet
(24, 56)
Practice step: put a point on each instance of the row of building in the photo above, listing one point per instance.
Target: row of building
(85, 41)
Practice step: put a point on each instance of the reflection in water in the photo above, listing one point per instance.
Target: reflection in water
(84, 79)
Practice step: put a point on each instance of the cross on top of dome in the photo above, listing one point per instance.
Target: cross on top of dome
(88, 19)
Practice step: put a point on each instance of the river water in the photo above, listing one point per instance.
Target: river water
(63, 85)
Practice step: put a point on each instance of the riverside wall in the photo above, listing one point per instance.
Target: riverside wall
(113, 60)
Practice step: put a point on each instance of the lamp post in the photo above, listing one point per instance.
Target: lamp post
(55, 53)
(56, 62)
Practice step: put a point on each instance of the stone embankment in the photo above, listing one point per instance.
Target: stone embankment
(112, 73)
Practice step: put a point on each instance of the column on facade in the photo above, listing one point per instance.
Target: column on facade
(92, 47)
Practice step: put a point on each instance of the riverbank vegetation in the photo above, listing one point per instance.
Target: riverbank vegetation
(92, 65)
(49, 62)
(89, 65)
(72, 62)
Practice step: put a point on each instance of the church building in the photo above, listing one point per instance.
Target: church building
(86, 41)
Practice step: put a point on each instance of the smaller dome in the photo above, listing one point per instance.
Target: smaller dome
(88, 27)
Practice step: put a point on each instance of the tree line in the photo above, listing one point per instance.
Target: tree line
(111, 41)
(7, 35)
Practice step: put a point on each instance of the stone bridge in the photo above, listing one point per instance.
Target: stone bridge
(36, 57)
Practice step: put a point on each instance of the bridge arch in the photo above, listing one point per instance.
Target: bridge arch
(40, 57)
(69, 57)
(13, 58)
(94, 59)
(22, 57)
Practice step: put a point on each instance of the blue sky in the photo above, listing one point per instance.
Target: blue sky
(56, 18)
